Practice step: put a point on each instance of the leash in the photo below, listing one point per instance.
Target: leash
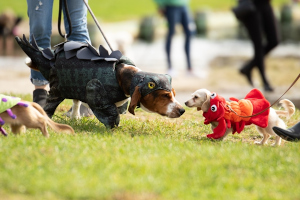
(229, 107)
(98, 25)
(68, 19)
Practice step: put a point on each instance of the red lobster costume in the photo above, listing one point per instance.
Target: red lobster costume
(220, 111)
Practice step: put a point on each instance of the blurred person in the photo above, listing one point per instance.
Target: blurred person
(260, 20)
(40, 24)
(8, 28)
(176, 11)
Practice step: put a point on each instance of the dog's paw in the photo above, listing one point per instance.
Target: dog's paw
(258, 143)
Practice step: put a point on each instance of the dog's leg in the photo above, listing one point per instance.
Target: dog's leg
(43, 128)
(108, 115)
(54, 98)
(51, 105)
(97, 98)
(17, 129)
(265, 135)
(75, 114)
(228, 130)
(277, 141)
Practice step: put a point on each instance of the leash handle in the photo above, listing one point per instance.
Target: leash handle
(91, 12)
(228, 106)
(68, 18)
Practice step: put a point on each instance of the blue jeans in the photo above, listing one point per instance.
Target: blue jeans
(174, 15)
(40, 23)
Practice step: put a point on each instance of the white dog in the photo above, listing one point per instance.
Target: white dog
(201, 100)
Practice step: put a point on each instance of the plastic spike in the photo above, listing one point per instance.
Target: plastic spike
(33, 41)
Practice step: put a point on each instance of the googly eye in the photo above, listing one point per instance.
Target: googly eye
(213, 95)
(214, 108)
(151, 85)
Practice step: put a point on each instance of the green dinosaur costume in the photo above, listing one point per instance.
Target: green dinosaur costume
(77, 71)
(8, 102)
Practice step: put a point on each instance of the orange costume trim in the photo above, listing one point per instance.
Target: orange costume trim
(242, 107)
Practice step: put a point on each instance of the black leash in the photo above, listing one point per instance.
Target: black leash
(68, 18)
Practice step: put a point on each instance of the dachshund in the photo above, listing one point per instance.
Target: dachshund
(201, 100)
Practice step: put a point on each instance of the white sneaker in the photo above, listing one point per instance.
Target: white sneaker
(172, 73)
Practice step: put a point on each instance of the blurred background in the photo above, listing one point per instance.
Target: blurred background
(219, 47)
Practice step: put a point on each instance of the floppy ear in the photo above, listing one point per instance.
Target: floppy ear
(135, 99)
(174, 93)
(206, 104)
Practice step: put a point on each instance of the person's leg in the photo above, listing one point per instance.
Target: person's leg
(271, 34)
(185, 21)
(40, 23)
(171, 16)
(78, 15)
(270, 27)
(252, 23)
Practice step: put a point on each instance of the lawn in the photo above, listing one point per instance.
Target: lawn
(116, 10)
(147, 157)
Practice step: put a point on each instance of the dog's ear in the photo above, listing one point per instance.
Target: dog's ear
(206, 104)
(174, 93)
(135, 99)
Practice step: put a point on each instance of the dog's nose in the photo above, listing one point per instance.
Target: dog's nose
(185, 103)
(181, 111)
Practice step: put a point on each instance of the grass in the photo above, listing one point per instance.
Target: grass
(118, 10)
(147, 157)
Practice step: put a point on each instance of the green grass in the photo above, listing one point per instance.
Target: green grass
(147, 157)
(115, 10)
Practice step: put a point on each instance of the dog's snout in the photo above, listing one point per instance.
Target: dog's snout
(181, 111)
(186, 103)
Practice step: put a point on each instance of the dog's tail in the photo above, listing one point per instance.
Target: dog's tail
(39, 59)
(289, 109)
(55, 126)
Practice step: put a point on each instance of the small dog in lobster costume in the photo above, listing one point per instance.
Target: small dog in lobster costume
(234, 114)
(226, 117)
(18, 113)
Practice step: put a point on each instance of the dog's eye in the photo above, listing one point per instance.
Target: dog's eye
(151, 85)
(167, 95)
(195, 97)
(214, 108)
(213, 95)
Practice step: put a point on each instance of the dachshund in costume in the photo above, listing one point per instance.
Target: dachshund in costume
(226, 117)
(234, 114)
(18, 113)
(104, 81)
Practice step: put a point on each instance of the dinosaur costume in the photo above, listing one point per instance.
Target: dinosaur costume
(77, 71)
(6, 103)
(236, 117)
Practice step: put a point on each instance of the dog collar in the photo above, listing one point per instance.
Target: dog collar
(150, 82)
